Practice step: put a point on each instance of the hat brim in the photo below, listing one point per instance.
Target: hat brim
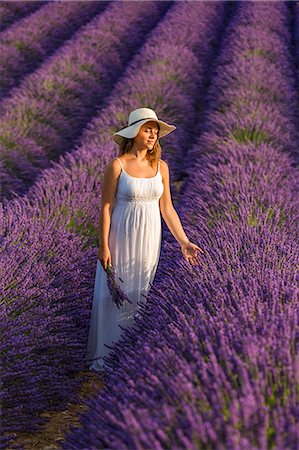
(132, 130)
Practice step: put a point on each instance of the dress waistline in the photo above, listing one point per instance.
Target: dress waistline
(138, 201)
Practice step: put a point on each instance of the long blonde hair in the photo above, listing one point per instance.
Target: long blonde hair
(153, 155)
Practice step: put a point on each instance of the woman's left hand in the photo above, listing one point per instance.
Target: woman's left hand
(189, 251)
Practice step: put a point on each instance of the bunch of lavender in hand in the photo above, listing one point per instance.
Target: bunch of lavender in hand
(118, 296)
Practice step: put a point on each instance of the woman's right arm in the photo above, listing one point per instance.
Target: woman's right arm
(109, 187)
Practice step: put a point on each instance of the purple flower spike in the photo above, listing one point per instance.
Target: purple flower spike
(118, 295)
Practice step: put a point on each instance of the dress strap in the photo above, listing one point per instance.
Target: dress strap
(121, 164)
(159, 165)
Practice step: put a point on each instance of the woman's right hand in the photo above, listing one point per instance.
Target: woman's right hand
(104, 256)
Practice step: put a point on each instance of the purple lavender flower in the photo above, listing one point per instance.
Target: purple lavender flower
(118, 295)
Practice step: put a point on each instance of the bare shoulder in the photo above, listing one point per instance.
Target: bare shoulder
(113, 168)
(163, 163)
(164, 168)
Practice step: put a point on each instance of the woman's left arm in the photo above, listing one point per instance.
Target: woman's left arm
(172, 219)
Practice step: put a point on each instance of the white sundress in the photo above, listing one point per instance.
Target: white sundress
(135, 242)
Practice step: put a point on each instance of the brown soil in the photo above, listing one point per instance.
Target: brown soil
(49, 436)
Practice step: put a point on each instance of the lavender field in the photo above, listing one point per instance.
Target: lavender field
(213, 362)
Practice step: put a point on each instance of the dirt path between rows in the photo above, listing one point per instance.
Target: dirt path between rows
(49, 436)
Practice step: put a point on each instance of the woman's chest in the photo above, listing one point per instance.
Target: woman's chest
(146, 189)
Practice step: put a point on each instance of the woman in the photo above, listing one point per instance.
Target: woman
(135, 193)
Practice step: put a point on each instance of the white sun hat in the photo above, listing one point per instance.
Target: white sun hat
(136, 119)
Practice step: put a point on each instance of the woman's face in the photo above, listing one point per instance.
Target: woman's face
(148, 135)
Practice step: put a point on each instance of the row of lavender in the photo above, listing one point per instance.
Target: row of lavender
(49, 236)
(29, 41)
(47, 111)
(213, 362)
(295, 12)
(10, 12)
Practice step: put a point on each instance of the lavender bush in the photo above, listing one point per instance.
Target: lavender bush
(213, 362)
(249, 110)
(295, 15)
(10, 12)
(29, 41)
(36, 311)
(59, 204)
(42, 119)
